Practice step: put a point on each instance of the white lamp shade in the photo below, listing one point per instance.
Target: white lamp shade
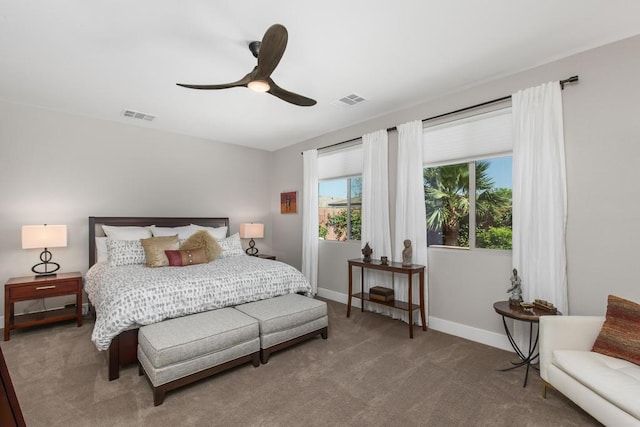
(44, 236)
(252, 231)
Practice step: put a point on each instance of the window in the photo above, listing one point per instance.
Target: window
(340, 209)
(493, 203)
(449, 206)
(340, 193)
(446, 193)
(467, 182)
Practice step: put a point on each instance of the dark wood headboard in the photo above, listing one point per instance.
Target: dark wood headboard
(96, 222)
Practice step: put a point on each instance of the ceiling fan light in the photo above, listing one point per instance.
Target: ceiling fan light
(258, 86)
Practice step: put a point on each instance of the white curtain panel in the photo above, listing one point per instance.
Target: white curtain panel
(310, 218)
(411, 214)
(375, 206)
(539, 197)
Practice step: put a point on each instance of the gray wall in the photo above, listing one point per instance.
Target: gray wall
(603, 153)
(57, 168)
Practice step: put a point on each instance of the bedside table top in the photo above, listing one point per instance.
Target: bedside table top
(266, 256)
(34, 278)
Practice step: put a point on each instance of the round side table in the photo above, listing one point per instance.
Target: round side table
(524, 315)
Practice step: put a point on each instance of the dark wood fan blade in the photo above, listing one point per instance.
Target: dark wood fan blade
(272, 48)
(242, 82)
(290, 97)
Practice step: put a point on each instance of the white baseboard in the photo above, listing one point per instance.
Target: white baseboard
(338, 297)
(470, 333)
(482, 336)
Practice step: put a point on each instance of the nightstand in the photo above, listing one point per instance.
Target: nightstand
(33, 287)
(265, 256)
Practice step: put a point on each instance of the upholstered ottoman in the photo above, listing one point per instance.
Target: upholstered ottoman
(180, 351)
(287, 320)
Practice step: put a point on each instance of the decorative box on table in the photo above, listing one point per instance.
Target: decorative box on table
(380, 293)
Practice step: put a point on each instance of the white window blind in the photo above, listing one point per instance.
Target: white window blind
(340, 163)
(481, 136)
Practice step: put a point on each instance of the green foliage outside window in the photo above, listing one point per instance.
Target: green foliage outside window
(322, 231)
(447, 200)
(338, 222)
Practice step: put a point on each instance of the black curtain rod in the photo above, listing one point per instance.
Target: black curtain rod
(571, 79)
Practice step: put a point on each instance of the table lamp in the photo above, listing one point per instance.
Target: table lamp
(251, 231)
(44, 237)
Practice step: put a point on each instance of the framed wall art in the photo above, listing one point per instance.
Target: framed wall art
(288, 202)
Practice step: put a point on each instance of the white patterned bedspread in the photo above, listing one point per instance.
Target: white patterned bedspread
(133, 295)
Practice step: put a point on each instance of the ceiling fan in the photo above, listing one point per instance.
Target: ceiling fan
(269, 52)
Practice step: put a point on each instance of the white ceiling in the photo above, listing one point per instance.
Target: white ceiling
(97, 58)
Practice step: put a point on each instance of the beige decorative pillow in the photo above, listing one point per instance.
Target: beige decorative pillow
(202, 239)
(154, 248)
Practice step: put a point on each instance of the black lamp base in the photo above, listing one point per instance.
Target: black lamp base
(45, 257)
(252, 250)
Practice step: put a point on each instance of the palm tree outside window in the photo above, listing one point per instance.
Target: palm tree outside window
(455, 219)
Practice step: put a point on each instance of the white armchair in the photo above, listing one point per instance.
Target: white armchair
(605, 387)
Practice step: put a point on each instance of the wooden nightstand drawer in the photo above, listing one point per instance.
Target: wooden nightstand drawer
(44, 289)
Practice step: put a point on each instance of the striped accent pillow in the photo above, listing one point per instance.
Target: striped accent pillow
(620, 333)
(180, 258)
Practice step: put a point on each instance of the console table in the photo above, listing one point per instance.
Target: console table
(392, 267)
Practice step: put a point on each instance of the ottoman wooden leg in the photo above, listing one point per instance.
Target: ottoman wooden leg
(158, 396)
(264, 356)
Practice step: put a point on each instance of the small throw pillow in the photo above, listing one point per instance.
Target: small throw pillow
(181, 258)
(125, 252)
(620, 333)
(231, 246)
(154, 248)
(202, 239)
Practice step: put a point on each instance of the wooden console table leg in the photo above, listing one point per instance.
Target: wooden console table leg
(410, 306)
(362, 289)
(422, 315)
(350, 291)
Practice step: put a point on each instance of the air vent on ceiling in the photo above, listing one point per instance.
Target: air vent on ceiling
(138, 115)
(348, 101)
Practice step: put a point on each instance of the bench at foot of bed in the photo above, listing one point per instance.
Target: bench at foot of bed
(180, 351)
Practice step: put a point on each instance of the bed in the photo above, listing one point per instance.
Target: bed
(125, 297)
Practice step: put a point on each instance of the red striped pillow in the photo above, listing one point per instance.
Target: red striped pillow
(179, 258)
(620, 333)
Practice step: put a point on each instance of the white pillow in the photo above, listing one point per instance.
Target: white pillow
(125, 252)
(218, 233)
(183, 232)
(102, 253)
(126, 233)
(231, 246)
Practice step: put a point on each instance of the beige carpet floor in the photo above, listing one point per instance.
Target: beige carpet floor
(368, 373)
